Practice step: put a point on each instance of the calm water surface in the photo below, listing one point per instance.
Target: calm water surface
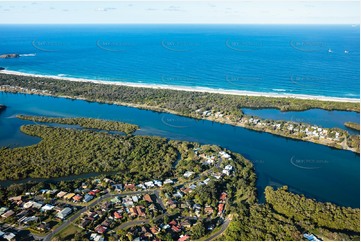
(320, 172)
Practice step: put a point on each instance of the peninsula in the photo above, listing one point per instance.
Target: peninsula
(201, 105)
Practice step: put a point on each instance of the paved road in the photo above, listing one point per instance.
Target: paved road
(137, 222)
(74, 217)
(219, 232)
(108, 195)
(67, 222)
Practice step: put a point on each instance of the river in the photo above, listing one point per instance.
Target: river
(320, 172)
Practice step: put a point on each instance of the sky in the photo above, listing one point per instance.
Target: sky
(180, 12)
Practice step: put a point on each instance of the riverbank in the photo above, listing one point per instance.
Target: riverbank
(191, 89)
(214, 107)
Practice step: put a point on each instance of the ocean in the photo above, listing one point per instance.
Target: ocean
(317, 60)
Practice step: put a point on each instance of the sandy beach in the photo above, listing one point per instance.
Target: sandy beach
(191, 89)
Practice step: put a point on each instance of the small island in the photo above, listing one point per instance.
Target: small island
(9, 56)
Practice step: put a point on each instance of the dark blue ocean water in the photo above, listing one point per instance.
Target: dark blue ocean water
(313, 60)
(315, 170)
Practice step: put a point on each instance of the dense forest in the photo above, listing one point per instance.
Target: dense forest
(352, 125)
(86, 123)
(63, 152)
(286, 216)
(304, 209)
(182, 102)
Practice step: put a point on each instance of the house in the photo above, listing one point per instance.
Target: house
(186, 190)
(96, 237)
(117, 187)
(64, 213)
(69, 196)
(135, 199)
(188, 174)
(217, 175)
(208, 210)
(186, 224)
(197, 206)
(47, 207)
(100, 229)
(158, 183)
(16, 199)
(226, 172)
(140, 211)
(148, 235)
(37, 205)
(220, 208)
(223, 196)
(166, 226)
(224, 154)
(118, 215)
(43, 227)
(133, 211)
(85, 223)
(105, 223)
(176, 229)
(87, 198)
(9, 236)
(28, 204)
(147, 198)
(141, 186)
(3, 210)
(206, 181)
(149, 184)
(173, 222)
(129, 187)
(168, 181)
(183, 238)
(8, 214)
(155, 230)
(61, 194)
(310, 237)
(77, 198)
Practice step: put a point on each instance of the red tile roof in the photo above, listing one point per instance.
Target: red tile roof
(183, 238)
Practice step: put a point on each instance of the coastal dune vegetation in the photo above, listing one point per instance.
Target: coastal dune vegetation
(184, 102)
(200, 105)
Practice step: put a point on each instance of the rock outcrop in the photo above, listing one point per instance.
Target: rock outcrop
(9, 56)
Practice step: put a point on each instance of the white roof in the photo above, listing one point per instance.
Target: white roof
(47, 207)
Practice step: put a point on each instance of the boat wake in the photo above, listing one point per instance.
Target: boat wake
(27, 55)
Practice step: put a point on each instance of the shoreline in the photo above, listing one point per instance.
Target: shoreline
(191, 89)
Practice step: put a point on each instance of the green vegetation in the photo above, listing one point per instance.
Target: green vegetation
(352, 125)
(286, 216)
(218, 107)
(182, 102)
(260, 223)
(64, 152)
(303, 209)
(85, 123)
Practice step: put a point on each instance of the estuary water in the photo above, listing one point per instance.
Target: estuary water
(317, 171)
